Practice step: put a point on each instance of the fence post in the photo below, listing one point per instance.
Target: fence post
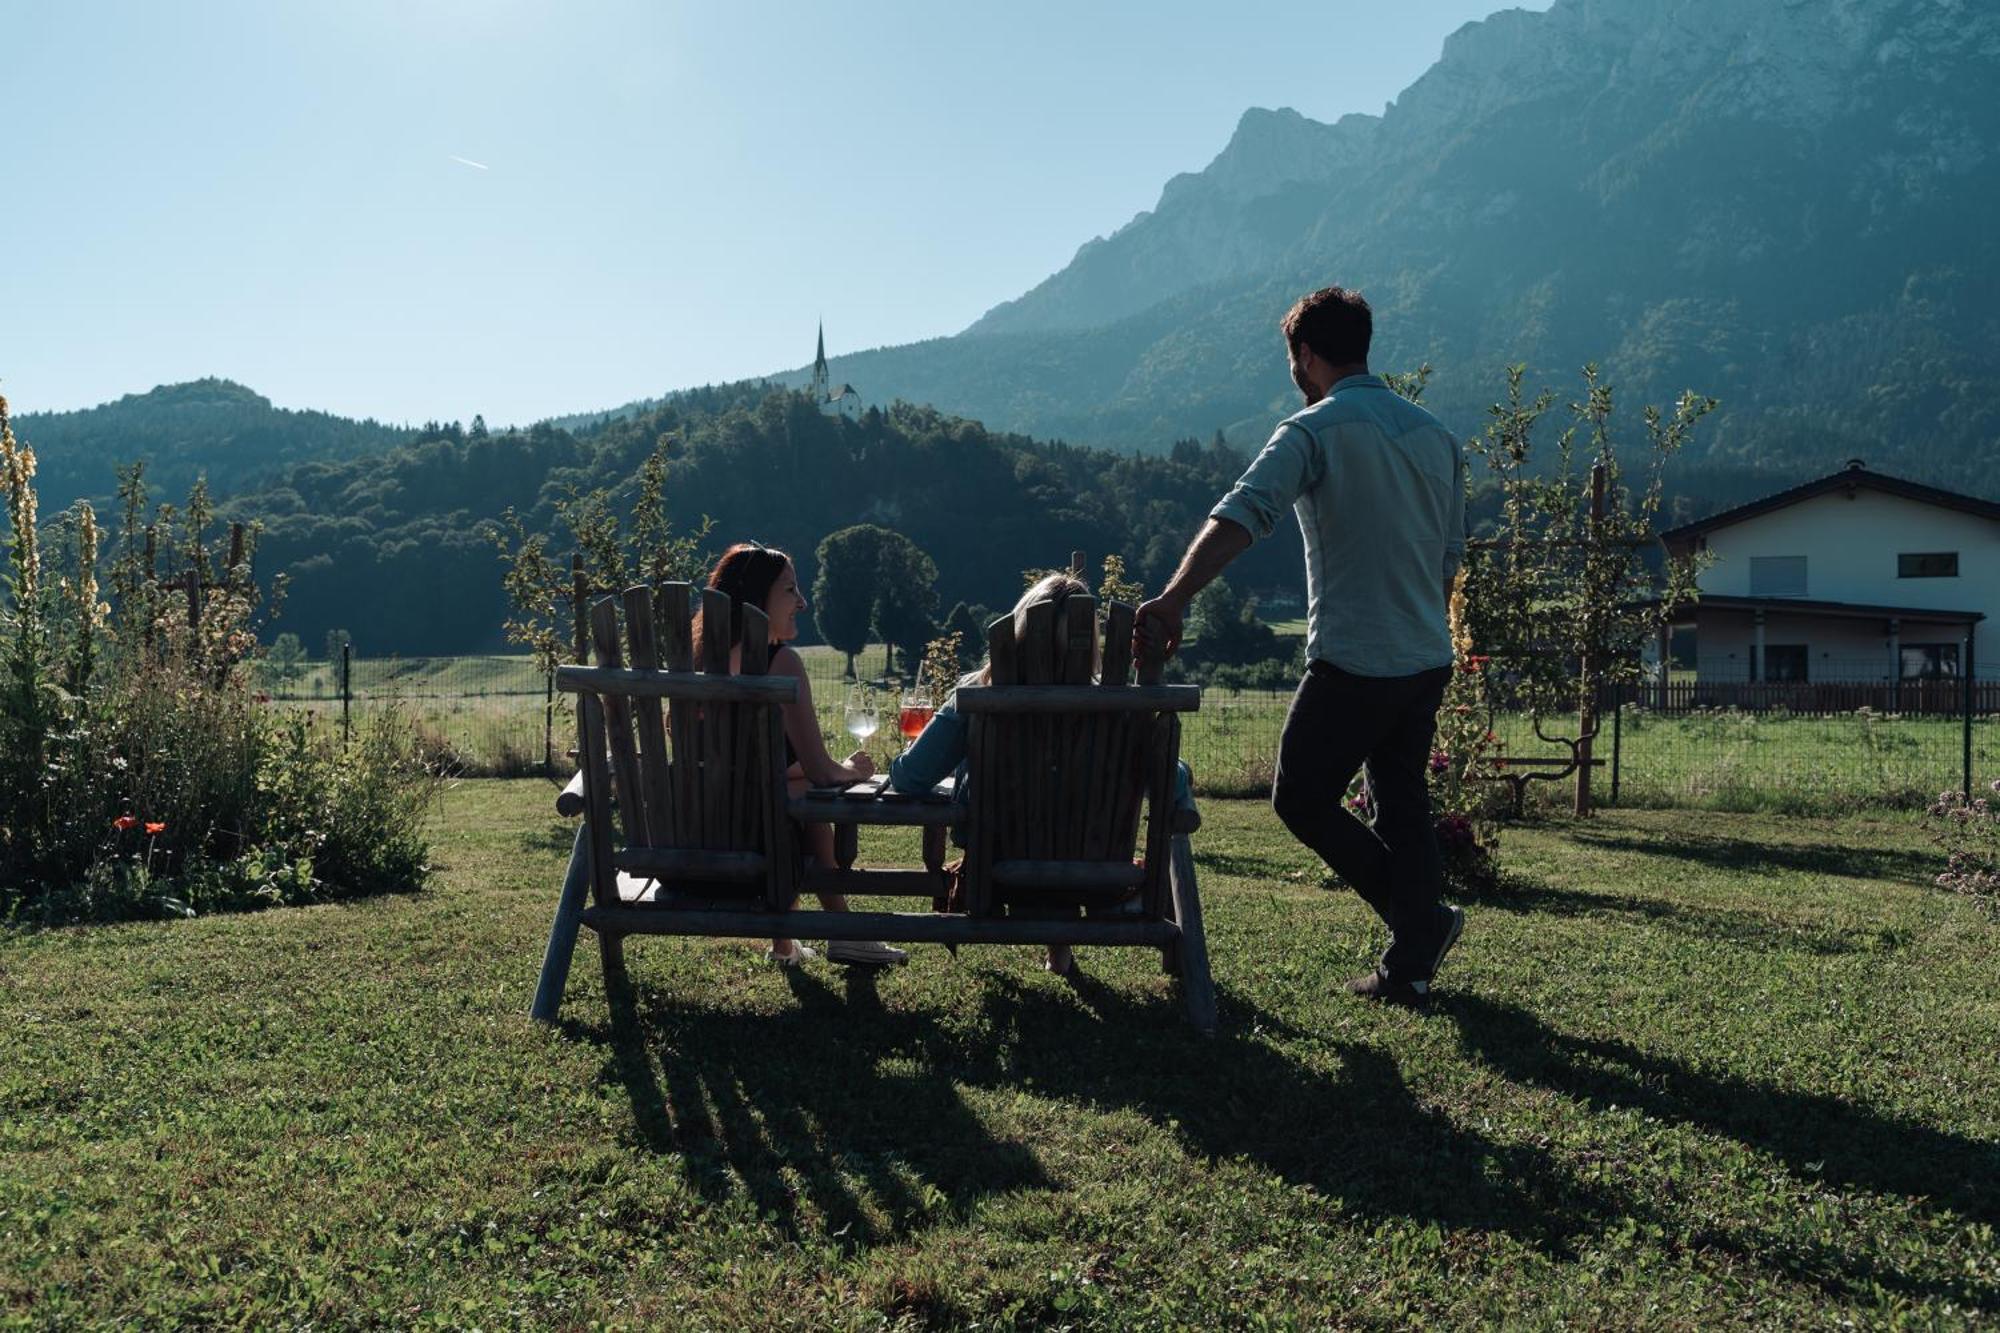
(549, 723)
(1966, 667)
(1586, 717)
(346, 689)
(1617, 736)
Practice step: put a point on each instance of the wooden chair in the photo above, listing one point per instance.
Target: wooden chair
(702, 841)
(1059, 766)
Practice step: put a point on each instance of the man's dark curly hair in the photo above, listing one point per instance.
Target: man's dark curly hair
(1333, 321)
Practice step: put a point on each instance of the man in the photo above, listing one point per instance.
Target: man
(1379, 489)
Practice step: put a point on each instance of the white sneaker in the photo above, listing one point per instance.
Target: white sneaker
(799, 954)
(870, 953)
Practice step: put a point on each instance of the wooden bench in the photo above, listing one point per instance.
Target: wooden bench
(687, 826)
(1521, 770)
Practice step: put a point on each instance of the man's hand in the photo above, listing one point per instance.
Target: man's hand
(1157, 627)
(862, 763)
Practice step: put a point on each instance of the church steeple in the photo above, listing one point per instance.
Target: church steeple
(821, 380)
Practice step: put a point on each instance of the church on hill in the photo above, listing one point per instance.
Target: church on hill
(843, 401)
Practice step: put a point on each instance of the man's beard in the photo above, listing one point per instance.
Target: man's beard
(1306, 388)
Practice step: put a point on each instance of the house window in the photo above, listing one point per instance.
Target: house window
(1930, 661)
(1785, 663)
(1777, 576)
(1927, 565)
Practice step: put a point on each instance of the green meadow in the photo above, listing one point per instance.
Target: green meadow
(1729, 1073)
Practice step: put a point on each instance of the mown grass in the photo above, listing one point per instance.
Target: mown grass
(1736, 1072)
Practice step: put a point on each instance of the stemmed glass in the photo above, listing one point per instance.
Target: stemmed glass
(864, 714)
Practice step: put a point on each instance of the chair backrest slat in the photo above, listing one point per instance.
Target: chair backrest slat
(1079, 638)
(671, 628)
(618, 725)
(654, 769)
(715, 719)
(1117, 669)
(748, 747)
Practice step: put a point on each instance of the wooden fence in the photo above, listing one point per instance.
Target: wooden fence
(1935, 698)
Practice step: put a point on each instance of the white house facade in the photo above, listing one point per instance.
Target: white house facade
(1854, 577)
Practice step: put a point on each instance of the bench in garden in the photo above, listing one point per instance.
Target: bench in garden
(687, 824)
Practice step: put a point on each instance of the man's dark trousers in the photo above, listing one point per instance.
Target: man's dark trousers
(1339, 722)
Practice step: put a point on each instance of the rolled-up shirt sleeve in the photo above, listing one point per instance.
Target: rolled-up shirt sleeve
(1274, 480)
(1454, 545)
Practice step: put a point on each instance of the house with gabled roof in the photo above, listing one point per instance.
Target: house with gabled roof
(1857, 576)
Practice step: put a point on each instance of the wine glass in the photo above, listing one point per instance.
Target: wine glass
(916, 711)
(864, 716)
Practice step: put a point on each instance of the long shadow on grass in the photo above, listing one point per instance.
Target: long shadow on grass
(1519, 893)
(1912, 867)
(791, 1106)
(796, 1105)
(1815, 1135)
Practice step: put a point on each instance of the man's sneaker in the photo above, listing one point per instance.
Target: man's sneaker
(1454, 927)
(1377, 986)
(868, 953)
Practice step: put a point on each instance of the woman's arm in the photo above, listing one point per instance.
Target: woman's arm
(802, 730)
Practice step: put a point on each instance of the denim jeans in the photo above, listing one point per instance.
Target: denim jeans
(1340, 722)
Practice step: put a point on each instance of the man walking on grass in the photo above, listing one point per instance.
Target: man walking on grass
(1379, 489)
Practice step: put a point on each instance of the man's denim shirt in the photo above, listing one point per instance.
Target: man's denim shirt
(1379, 489)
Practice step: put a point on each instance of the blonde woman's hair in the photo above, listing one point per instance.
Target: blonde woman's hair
(1054, 588)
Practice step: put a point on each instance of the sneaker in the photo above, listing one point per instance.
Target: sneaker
(1454, 927)
(800, 953)
(868, 953)
(1377, 986)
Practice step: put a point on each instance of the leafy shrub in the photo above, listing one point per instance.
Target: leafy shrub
(138, 774)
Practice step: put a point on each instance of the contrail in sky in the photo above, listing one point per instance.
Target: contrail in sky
(477, 166)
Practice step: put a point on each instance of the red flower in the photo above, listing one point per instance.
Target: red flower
(125, 823)
(160, 827)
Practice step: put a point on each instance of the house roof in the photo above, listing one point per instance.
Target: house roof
(1806, 606)
(1849, 479)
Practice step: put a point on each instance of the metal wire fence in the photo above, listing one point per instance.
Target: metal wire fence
(1781, 747)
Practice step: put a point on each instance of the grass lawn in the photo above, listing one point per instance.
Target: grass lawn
(1684, 1072)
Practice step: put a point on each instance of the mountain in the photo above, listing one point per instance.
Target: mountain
(210, 427)
(1784, 203)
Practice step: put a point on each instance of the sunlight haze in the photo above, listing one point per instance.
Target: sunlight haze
(429, 211)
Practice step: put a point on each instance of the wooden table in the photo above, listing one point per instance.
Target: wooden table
(868, 803)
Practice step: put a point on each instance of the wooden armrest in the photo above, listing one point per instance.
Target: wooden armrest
(1068, 875)
(569, 801)
(676, 863)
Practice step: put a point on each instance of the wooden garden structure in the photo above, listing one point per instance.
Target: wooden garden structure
(688, 827)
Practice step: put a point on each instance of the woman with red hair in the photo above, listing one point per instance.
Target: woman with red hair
(757, 575)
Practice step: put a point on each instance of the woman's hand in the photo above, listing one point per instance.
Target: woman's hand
(862, 766)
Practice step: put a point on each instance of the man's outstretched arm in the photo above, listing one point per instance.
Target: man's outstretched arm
(1158, 624)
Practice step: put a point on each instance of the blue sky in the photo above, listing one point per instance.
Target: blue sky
(665, 194)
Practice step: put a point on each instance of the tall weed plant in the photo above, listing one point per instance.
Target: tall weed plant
(139, 774)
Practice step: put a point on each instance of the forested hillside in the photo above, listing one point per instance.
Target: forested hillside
(397, 548)
(207, 427)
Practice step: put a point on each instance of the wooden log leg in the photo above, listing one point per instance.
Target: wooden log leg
(611, 945)
(934, 845)
(1196, 983)
(562, 935)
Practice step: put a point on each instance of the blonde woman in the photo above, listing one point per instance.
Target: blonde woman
(939, 751)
